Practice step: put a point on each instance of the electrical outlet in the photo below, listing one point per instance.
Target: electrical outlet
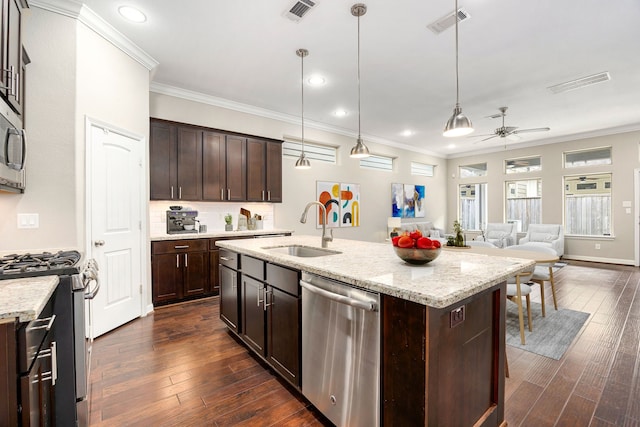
(597, 245)
(457, 316)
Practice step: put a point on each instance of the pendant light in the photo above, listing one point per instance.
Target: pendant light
(458, 124)
(302, 162)
(360, 150)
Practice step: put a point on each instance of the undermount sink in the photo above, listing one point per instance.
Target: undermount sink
(301, 251)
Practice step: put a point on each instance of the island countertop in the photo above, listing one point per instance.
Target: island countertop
(452, 277)
(217, 234)
(25, 298)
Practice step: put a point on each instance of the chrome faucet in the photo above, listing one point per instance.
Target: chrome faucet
(303, 219)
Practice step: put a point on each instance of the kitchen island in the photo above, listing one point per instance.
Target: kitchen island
(442, 342)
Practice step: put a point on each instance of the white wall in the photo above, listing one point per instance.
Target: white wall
(625, 158)
(299, 187)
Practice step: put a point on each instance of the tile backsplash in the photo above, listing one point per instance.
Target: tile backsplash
(209, 214)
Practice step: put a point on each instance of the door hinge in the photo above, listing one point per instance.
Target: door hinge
(140, 225)
(141, 289)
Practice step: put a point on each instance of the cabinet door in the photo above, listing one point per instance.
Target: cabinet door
(189, 164)
(236, 169)
(274, 172)
(11, 69)
(196, 273)
(253, 315)
(163, 164)
(214, 181)
(256, 171)
(214, 281)
(229, 297)
(166, 277)
(283, 332)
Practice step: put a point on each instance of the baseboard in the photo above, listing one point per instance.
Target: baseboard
(149, 310)
(599, 259)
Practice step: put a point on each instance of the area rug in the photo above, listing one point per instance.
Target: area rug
(552, 335)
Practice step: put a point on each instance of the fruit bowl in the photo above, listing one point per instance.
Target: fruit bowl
(417, 256)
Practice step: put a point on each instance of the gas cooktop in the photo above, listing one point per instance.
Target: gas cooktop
(39, 264)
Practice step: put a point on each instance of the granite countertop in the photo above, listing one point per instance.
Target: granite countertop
(452, 277)
(25, 298)
(216, 234)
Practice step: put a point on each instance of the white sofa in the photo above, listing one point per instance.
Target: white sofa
(426, 228)
(500, 234)
(547, 235)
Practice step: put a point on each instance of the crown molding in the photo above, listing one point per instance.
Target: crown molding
(189, 95)
(77, 10)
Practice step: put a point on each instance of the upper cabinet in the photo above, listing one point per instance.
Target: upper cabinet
(12, 61)
(195, 163)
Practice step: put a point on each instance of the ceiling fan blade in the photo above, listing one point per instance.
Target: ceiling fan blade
(510, 129)
(532, 130)
(482, 140)
(476, 136)
(513, 137)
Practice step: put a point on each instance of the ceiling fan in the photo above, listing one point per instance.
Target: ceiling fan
(508, 131)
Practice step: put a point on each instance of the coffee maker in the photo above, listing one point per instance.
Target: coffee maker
(182, 221)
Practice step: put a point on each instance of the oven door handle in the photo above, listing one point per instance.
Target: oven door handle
(92, 294)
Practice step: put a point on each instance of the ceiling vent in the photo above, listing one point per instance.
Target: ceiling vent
(448, 21)
(299, 9)
(581, 82)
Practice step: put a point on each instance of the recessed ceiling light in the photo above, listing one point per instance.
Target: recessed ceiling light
(407, 132)
(340, 113)
(132, 14)
(316, 80)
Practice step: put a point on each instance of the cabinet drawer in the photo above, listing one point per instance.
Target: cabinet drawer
(229, 259)
(173, 246)
(284, 279)
(253, 267)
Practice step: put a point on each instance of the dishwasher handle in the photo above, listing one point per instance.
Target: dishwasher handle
(364, 305)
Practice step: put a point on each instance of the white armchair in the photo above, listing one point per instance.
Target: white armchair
(500, 234)
(547, 235)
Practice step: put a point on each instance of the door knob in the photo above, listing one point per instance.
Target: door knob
(98, 243)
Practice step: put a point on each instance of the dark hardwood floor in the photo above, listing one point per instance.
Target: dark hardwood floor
(180, 367)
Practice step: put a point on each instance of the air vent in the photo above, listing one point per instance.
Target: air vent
(581, 82)
(299, 9)
(448, 21)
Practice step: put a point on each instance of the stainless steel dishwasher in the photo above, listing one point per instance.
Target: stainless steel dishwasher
(341, 351)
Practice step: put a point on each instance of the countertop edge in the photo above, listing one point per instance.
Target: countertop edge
(217, 234)
(24, 299)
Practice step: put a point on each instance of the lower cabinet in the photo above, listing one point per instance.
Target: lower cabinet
(180, 270)
(270, 311)
(229, 291)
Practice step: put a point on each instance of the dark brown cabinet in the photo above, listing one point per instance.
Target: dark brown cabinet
(264, 171)
(11, 59)
(195, 163)
(180, 270)
(229, 291)
(175, 162)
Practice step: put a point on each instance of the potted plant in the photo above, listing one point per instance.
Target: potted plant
(457, 239)
(228, 222)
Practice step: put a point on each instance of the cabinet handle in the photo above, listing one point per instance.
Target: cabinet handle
(49, 323)
(222, 194)
(263, 195)
(265, 298)
(224, 258)
(257, 295)
(10, 79)
(228, 194)
(54, 363)
(177, 261)
(186, 260)
(172, 192)
(18, 89)
(234, 284)
(181, 247)
(180, 192)
(269, 195)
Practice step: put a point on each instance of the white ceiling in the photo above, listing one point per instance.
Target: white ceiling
(510, 53)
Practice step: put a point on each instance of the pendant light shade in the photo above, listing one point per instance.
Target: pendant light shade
(458, 124)
(360, 150)
(302, 162)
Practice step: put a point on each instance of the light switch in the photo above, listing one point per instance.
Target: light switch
(626, 203)
(628, 210)
(28, 220)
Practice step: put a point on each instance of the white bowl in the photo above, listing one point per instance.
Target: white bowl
(189, 226)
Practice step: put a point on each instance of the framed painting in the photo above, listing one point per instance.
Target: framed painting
(342, 203)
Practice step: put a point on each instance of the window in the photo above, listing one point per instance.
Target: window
(524, 202)
(587, 204)
(529, 164)
(422, 169)
(473, 206)
(467, 171)
(377, 162)
(318, 152)
(595, 156)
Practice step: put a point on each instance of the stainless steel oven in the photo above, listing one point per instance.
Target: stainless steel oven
(13, 151)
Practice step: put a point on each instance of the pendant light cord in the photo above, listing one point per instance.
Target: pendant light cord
(302, 92)
(359, 136)
(455, 16)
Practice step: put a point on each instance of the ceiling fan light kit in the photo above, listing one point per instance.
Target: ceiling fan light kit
(302, 162)
(360, 150)
(458, 124)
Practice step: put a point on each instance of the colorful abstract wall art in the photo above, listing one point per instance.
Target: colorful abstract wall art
(407, 201)
(342, 202)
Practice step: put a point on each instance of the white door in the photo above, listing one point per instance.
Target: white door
(115, 200)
